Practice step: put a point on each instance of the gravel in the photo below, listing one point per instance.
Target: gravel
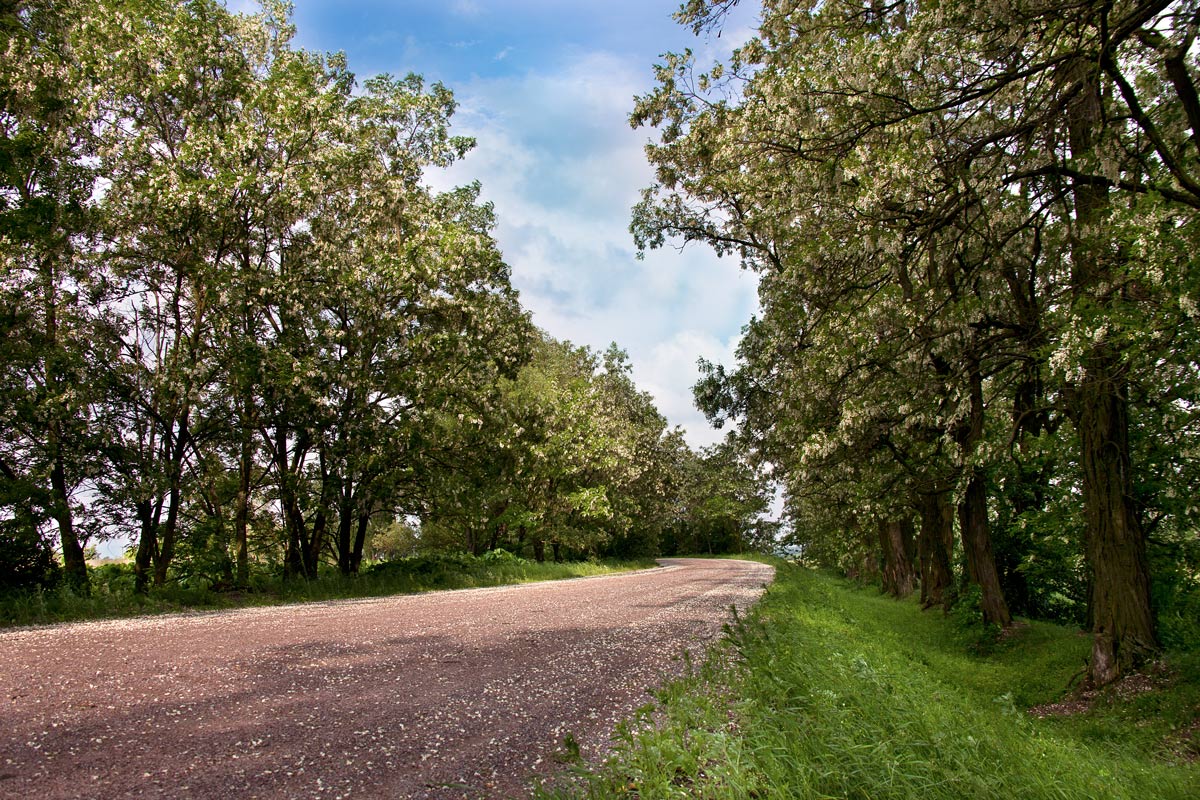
(443, 695)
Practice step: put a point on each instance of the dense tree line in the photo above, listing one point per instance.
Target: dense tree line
(237, 325)
(975, 228)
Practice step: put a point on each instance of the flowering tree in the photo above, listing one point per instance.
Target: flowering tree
(956, 208)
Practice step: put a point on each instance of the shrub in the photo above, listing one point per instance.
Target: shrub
(501, 556)
(26, 559)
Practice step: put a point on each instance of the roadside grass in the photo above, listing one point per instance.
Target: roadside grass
(827, 690)
(112, 594)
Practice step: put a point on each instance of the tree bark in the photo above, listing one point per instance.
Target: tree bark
(74, 561)
(935, 547)
(345, 542)
(360, 541)
(1122, 618)
(241, 523)
(143, 560)
(977, 543)
(895, 541)
(166, 547)
(973, 514)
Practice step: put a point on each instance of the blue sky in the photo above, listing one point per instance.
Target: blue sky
(546, 88)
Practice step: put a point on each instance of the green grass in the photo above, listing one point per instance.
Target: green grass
(831, 691)
(112, 593)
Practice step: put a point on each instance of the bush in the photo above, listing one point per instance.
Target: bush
(115, 578)
(425, 565)
(26, 559)
(967, 616)
(501, 556)
(1175, 590)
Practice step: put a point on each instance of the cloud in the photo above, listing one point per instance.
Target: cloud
(558, 159)
(503, 54)
(465, 8)
(671, 367)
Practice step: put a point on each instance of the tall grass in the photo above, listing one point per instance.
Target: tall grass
(112, 593)
(828, 691)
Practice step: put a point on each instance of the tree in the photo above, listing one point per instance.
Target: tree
(936, 138)
(46, 182)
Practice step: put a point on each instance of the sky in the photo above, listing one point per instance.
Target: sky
(546, 88)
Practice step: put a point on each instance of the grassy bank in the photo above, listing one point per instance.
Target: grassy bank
(112, 592)
(831, 691)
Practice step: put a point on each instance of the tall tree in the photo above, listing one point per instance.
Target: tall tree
(46, 183)
(948, 133)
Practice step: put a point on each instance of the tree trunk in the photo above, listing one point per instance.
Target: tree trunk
(1122, 619)
(297, 554)
(895, 541)
(143, 560)
(935, 547)
(166, 547)
(973, 514)
(345, 543)
(539, 549)
(247, 420)
(360, 541)
(241, 523)
(74, 561)
(977, 544)
(293, 559)
(557, 548)
(293, 520)
(315, 541)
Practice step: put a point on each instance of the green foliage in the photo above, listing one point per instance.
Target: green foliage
(967, 615)
(241, 328)
(425, 566)
(568, 454)
(27, 560)
(1175, 563)
(975, 227)
(723, 495)
(395, 540)
(830, 691)
(501, 556)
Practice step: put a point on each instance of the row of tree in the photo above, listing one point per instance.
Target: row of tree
(237, 327)
(976, 230)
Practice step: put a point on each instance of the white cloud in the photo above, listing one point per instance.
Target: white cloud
(670, 367)
(465, 8)
(557, 157)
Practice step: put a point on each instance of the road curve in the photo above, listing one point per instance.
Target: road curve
(448, 694)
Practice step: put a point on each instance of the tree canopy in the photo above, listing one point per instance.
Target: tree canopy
(242, 331)
(975, 228)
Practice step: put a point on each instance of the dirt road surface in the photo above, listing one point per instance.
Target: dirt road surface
(451, 694)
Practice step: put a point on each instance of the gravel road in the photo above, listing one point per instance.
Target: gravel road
(450, 694)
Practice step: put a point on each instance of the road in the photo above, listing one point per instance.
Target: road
(449, 694)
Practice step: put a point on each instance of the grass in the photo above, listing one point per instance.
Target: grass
(112, 593)
(832, 691)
